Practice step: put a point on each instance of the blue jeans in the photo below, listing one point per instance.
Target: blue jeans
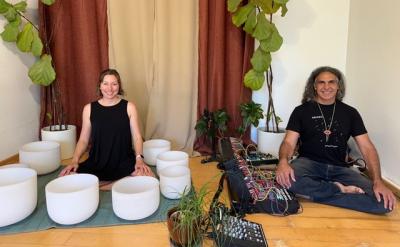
(314, 180)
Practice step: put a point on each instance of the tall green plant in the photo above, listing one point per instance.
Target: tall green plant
(25, 34)
(251, 113)
(252, 17)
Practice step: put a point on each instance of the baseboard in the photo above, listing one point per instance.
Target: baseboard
(10, 160)
(395, 188)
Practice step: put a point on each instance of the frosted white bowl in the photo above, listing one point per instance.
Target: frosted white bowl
(172, 158)
(15, 165)
(18, 194)
(135, 198)
(42, 156)
(175, 181)
(72, 199)
(66, 138)
(152, 148)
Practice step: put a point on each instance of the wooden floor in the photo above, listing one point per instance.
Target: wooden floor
(317, 225)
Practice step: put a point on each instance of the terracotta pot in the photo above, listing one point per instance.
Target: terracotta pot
(183, 236)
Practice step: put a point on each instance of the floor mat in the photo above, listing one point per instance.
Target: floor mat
(104, 216)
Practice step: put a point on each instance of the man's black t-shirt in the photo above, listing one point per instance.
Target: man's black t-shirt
(307, 120)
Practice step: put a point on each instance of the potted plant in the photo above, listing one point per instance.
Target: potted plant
(252, 17)
(251, 113)
(188, 221)
(212, 125)
(21, 30)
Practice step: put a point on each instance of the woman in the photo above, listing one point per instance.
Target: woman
(110, 123)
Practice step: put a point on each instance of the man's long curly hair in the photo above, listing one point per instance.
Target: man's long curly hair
(309, 91)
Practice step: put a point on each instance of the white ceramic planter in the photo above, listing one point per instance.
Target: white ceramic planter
(175, 181)
(43, 156)
(72, 199)
(135, 198)
(172, 158)
(152, 148)
(15, 165)
(66, 138)
(269, 142)
(18, 194)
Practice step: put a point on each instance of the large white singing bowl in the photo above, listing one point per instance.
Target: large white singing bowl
(172, 158)
(15, 165)
(18, 194)
(152, 148)
(72, 199)
(175, 181)
(42, 156)
(135, 198)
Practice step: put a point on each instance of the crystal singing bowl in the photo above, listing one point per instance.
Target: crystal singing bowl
(152, 148)
(175, 181)
(72, 199)
(18, 194)
(135, 198)
(171, 158)
(42, 156)
(15, 165)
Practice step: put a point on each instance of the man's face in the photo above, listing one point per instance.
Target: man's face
(326, 86)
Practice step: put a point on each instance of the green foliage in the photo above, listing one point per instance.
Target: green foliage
(212, 124)
(27, 40)
(252, 17)
(251, 114)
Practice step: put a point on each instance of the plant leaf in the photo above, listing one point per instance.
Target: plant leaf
(260, 60)
(254, 80)
(11, 14)
(10, 33)
(48, 2)
(284, 10)
(37, 45)
(251, 22)
(233, 4)
(240, 16)
(42, 72)
(4, 6)
(25, 38)
(273, 43)
(21, 6)
(263, 28)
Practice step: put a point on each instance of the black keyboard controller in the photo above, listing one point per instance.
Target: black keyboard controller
(257, 159)
(237, 232)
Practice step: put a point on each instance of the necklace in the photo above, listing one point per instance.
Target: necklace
(327, 130)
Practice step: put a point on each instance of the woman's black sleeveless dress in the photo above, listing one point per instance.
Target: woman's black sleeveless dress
(111, 156)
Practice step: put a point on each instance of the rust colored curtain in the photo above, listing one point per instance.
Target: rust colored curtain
(78, 35)
(224, 58)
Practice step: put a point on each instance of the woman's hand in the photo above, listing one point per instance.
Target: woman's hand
(68, 170)
(141, 169)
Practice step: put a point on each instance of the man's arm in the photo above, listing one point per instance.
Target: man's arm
(371, 157)
(284, 173)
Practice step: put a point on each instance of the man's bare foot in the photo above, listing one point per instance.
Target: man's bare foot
(106, 185)
(350, 189)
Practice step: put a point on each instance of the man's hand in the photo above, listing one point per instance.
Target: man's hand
(141, 169)
(381, 191)
(68, 170)
(285, 174)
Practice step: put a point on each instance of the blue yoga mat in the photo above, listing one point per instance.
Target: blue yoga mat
(104, 216)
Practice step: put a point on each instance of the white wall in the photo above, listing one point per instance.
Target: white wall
(19, 98)
(373, 61)
(315, 34)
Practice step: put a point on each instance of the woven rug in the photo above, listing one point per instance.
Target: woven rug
(104, 216)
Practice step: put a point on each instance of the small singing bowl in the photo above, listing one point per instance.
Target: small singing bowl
(72, 199)
(175, 181)
(135, 198)
(172, 158)
(42, 156)
(152, 148)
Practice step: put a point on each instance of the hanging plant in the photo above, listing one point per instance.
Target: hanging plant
(252, 17)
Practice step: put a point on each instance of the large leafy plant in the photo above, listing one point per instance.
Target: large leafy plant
(251, 113)
(252, 16)
(25, 34)
(21, 30)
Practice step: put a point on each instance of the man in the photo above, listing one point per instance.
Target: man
(323, 125)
